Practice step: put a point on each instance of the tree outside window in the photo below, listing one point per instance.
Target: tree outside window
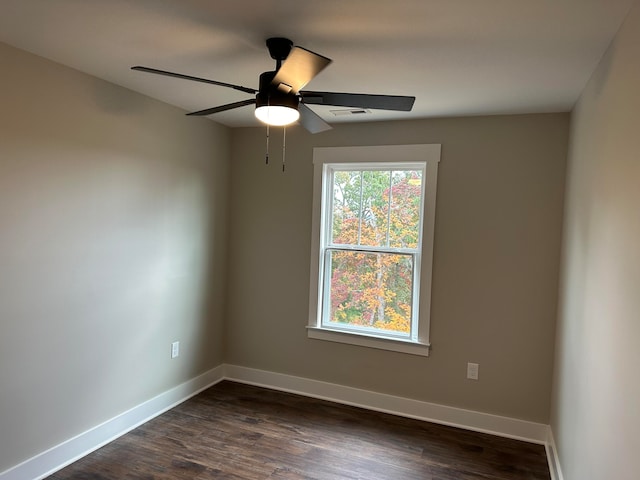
(375, 234)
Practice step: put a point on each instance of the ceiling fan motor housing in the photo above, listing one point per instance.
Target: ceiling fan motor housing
(270, 95)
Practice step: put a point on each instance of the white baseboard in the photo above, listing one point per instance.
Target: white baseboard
(452, 416)
(45, 463)
(552, 457)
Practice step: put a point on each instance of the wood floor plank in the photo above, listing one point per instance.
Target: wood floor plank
(233, 431)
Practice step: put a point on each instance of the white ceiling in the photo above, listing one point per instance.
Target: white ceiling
(457, 57)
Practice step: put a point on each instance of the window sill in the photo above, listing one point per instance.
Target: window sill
(371, 341)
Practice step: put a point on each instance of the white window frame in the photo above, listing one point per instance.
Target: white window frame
(387, 156)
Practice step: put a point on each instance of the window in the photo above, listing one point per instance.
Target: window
(373, 226)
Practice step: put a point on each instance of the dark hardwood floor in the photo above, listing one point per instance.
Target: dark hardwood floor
(235, 431)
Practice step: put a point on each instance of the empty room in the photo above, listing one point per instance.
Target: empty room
(319, 240)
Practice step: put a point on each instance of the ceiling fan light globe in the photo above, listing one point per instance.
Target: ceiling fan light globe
(277, 115)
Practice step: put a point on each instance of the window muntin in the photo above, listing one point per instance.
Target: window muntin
(383, 207)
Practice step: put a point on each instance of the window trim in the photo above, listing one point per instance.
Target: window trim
(400, 154)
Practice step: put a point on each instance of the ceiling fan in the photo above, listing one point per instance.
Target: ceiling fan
(279, 99)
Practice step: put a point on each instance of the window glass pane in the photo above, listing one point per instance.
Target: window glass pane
(375, 208)
(345, 221)
(370, 290)
(406, 190)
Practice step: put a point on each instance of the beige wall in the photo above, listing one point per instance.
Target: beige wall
(112, 245)
(596, 399)
(498, 228)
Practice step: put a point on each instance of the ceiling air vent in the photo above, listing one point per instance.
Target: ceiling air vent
(350, 111)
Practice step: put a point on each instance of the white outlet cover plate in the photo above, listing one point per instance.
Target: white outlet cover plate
(472, 371)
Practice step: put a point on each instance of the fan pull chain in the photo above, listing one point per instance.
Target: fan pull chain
(266, 158)
(284, 144)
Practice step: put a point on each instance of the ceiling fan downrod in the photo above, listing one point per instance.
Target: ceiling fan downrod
(279, 49)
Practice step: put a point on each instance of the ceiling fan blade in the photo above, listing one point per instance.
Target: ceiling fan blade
(222, 108)
(312, 121)
(360, 100)
(300, 66)
(195, 79)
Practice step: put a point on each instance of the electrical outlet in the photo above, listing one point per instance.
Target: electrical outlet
(175, 349)
(472, 371)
